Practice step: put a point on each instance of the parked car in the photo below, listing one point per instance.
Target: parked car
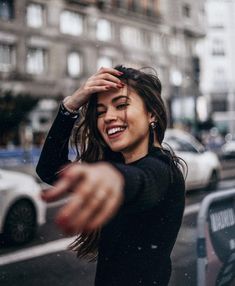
(21, 208)
(203, 166)
(228, 151)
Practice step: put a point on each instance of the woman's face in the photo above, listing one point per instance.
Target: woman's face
(123, 122)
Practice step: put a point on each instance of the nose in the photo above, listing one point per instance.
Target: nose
(110, 115)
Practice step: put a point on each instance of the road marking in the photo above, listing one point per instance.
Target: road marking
(57, 245)
(61, 244)
(36, 251)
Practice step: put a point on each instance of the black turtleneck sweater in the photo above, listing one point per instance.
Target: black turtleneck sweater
(135, 246)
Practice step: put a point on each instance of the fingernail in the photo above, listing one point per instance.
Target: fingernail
(120, 73)
(43, 194)
(61, 220)
(107, 87)
(119, 85)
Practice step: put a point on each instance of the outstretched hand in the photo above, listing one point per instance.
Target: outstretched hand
(96, 194)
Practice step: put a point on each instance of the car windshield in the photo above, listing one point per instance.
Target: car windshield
(184, 143)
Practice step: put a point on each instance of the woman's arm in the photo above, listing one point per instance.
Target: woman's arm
(99, 190)
(55, 150)
(145, 183)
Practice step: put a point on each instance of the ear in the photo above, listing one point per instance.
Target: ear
(151, 117)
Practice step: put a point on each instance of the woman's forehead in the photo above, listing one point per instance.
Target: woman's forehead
(108, 97)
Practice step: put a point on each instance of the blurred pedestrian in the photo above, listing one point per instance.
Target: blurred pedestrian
(127, 191)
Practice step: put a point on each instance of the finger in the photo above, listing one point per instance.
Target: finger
(71, 209)
(58, 191)
(74, 173)
(90, 209)
(70, 176)
(82, 193)
(97, 89)
(109, 70)
(109, 77)
(108, 210)
(100, 82)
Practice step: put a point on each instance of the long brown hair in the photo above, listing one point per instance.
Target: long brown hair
(91, 147)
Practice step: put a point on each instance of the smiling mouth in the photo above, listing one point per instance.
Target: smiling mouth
(115, 132)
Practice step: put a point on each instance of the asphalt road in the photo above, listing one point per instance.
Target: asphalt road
(45, 261)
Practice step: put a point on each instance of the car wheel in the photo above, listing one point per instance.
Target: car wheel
(214, 180)
(20, 223)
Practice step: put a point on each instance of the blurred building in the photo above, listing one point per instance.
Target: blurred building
(48, 47)
(218, 63)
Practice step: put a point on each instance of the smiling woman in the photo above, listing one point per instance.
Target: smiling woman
(127, 192)
(123, 123)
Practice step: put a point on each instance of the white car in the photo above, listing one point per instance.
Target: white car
(203, 166)
(228, 150)
(21, 208)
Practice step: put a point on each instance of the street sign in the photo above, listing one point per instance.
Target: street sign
(216, 240)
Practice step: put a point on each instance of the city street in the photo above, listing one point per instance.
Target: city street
(45, 261)
(144, 83)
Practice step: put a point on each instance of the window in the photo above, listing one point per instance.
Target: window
(177, 46)
(130, 36)
(216, 14)
(151, 7)
(134, 5)
(181, 145)
(71, 23)
(6, 9)
(34, 15)
(220, 78)
(104, 61)
(74, 64)
(218, 47)
(156, 43)
(7, 57)
(103, 32)
(36, 61)
(219, 105)
(202, 16)
(186, 10)
(120, 3)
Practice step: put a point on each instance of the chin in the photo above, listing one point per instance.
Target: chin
(117, 147)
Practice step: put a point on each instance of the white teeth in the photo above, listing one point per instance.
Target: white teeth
(114, 130)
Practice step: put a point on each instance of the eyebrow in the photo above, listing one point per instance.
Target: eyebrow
(114, 100)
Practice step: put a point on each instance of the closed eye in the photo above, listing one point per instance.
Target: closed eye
(122, 106)
(99, 113)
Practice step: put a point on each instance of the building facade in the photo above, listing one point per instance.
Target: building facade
(218, 63)
(48, 47)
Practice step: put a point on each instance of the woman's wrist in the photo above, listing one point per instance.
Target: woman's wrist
(71, 105)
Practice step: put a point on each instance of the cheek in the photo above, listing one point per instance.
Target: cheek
(100, 126)
(138, 119)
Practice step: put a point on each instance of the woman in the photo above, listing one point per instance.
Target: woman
(127, 195)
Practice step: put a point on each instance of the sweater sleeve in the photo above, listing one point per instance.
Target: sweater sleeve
(54, 154)
(146, 183)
